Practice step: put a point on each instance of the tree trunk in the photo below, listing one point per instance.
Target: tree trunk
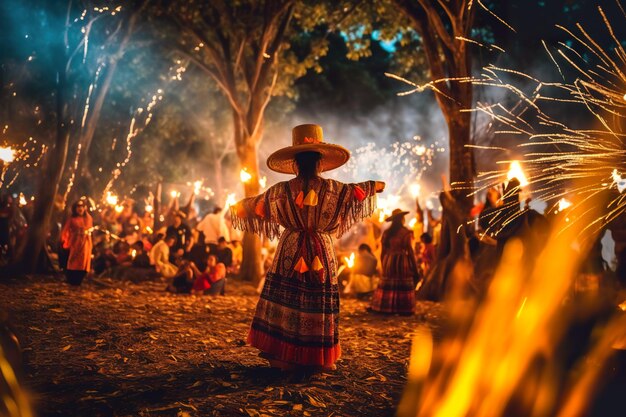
(247, 153)
(461, 159)
(31, 257)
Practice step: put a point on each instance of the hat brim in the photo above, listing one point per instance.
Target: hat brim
(333, 156)
(393, 216)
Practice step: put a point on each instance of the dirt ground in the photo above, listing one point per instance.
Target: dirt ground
(124, 348)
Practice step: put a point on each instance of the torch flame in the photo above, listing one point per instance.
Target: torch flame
(230, 200)
(174, 194)
(7, 155)
(349, 261)
(119, 208)
(263, 181)
(244, 175)
(111, 199)
(515, 171)
(149, 208)
(22, 201)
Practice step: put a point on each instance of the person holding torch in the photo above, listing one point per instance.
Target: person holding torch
(297, 316)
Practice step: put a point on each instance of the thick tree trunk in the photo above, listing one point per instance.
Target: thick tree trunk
(461, 159)
(247, 153)
(31, 257)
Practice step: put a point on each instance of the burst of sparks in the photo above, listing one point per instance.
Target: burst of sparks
(560, 159)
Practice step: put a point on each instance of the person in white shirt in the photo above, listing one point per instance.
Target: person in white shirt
(213, 226)
(160, 257)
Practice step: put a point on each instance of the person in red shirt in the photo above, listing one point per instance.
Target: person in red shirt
(212, 281)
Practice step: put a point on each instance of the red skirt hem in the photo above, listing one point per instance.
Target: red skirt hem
(288, 352)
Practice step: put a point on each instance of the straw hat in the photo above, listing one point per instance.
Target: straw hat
(308, 138)
(396, 213)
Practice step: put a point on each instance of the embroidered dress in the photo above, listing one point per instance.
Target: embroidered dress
(396, 290)
(297, 316)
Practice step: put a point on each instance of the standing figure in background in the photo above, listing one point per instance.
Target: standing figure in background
(297, 316)
(76, 237)
(396, 289)
(213, 226)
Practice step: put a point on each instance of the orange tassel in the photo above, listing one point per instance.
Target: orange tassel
(301, 266)
(317, 264)
(260, 209)
(359, 194)
(241, 210)
(311, 199)
(300, 200)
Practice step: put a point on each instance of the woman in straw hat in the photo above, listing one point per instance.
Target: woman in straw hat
(297, 316)
(396, 289)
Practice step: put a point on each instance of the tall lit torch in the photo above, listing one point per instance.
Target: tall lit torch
(244, 175)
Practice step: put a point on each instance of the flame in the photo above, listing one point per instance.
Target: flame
(149, 208)
(22, 201)
(149, 229)
(619, 182)
(119, 208)
(133, 253)
(412, 223)
(174, 194)
(244, 175)
(349, 260)
(111, 199)
(263, 181)
(564, 203)
(415, 190)
(7, 155)
(515, 171)
(230, 200)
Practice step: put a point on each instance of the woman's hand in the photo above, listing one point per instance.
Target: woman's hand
(380, 186)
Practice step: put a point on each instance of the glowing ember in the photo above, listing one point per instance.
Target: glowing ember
(133, 253)
(22, 201)
(349, 260)
(119, 208)
(415, 190)
(111, 199)
(7, 155)
(619, 182)
(244, 175)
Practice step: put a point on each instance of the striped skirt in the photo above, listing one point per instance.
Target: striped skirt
(297, 320)
(396, 289)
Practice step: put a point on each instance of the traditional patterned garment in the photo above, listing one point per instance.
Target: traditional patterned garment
(396, 290)
(297, 316)
(76, 236)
